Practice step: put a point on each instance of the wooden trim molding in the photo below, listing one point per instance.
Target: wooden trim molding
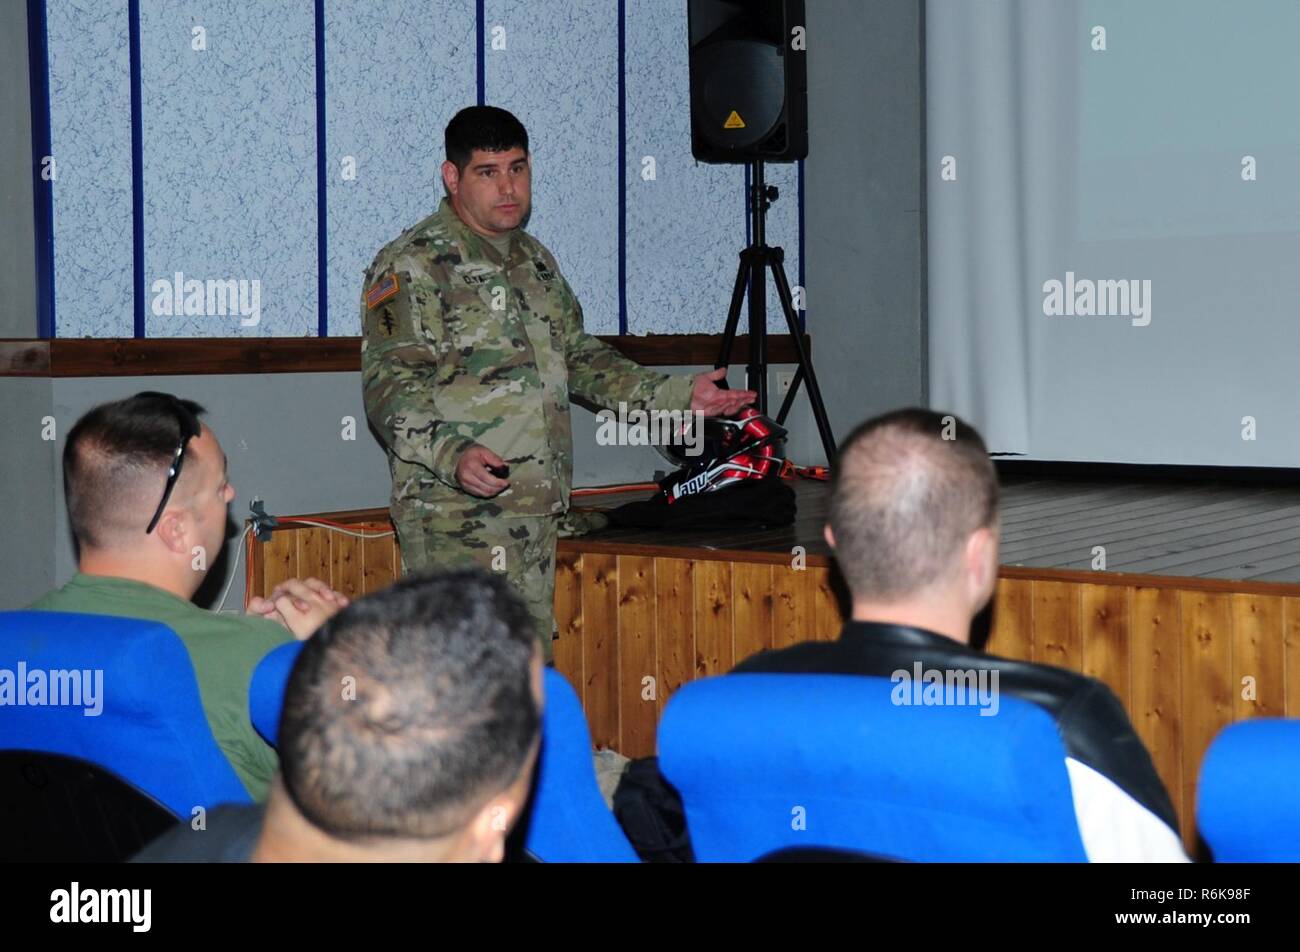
(1182, 583)
(576, 546)
(161, 356)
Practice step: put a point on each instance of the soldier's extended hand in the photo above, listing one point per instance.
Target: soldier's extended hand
(472, 472)
(712, 400)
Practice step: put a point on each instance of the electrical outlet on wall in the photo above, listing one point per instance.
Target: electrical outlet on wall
(784, 381)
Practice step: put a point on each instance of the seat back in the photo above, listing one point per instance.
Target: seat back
(765, 762)
(266, 689)
(1248, 802)
(567, 820)
(137, 710)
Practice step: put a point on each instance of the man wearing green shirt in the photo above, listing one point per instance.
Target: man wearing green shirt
(147, 495)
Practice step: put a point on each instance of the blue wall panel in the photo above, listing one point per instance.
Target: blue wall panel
(559, 75)
(90, 135)
(229, 159)
(229, 152)
(686, 228)
(396, 72)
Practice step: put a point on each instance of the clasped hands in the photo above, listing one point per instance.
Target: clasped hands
(300, 605)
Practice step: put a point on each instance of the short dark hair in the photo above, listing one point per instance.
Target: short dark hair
(113, 453)
(483, 127)
(442, 714)
(909, 488)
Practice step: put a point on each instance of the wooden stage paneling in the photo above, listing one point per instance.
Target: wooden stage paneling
(639, 618)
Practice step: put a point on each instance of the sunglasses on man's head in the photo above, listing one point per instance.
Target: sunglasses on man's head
(189, 427)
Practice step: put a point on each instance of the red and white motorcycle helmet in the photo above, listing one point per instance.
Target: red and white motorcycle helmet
(750, 447)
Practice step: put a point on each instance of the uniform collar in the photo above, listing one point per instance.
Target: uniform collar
(477, 244)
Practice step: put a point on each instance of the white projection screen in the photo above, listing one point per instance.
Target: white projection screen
(1145, 156)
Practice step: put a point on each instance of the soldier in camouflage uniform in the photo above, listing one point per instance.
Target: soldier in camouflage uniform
(473, 341)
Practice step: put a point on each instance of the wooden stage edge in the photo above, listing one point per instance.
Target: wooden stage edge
(115, 357)
(1185, 656)
(379, 517)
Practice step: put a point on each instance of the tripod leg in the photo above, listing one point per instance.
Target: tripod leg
(756, 369)
(777, 259)
(733, 314)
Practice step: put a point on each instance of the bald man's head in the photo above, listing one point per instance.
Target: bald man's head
(910, 488)
(115, 468)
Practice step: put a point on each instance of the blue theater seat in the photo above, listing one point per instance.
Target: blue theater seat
(1248, 802)
(266, 689)
(568, 821)
(151, 731)
(765, 762)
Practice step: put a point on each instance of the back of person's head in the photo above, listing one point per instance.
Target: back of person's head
(488, 128)
(914, 496)
(115, 465)
(413, 716)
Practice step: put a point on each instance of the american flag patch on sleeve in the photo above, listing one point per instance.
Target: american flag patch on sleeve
(381, 292)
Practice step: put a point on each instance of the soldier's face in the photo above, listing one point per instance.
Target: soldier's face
(495, 191)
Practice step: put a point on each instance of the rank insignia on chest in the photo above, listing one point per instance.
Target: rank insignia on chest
(543, 273)
(381, 292)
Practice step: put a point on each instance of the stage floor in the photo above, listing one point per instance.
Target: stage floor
(1178, 528)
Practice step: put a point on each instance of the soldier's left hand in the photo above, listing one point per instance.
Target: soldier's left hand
(711, 400)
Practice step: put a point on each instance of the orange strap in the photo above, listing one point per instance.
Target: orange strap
(608, 490)
(790, 469)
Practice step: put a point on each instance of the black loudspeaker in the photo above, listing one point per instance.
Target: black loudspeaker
(749, 80)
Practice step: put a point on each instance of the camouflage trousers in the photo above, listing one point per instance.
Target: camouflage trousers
(520, 547)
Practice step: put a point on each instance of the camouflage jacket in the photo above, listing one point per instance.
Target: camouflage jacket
(460, 347)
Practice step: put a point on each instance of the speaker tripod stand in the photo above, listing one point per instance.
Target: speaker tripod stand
(755, 260)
